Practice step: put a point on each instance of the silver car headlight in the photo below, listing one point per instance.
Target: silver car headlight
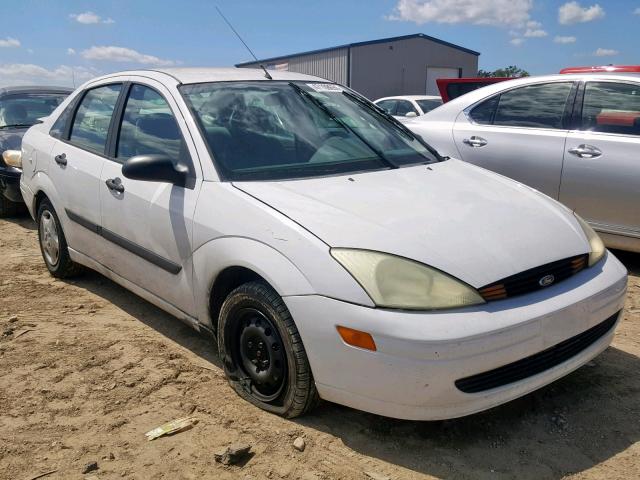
(396, 282)
(595, 242)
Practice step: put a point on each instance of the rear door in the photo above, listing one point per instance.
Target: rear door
(519, 133)
(148, 225)
(601, 175)
(78, 157)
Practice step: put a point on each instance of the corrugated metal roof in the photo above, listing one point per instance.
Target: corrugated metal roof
(360, 44)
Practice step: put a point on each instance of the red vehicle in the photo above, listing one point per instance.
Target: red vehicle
(603, 68)
(451, 88)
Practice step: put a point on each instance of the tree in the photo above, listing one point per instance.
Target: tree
(510, 71)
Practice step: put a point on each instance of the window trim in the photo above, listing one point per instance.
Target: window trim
(569, 106)
(577, 117)
(66, 138)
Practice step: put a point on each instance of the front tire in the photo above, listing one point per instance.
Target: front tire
(53, 243)
(262, 352)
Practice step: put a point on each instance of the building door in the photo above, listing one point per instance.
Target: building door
(433, 73)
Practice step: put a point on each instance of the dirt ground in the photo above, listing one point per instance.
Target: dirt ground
(87, 368)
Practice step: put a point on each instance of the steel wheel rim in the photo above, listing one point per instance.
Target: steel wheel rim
(259, 353)
(49, 239)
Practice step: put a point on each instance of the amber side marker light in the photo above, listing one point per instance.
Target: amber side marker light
(357, 338)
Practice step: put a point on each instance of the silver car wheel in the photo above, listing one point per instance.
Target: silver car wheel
(49, 238)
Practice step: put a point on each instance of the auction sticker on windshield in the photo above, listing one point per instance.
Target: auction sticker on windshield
(325, 87)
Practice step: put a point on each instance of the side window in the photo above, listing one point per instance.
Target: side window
(405, 107)
(91, 123)
(60, 125)
(388, 106)
(484, 113)
(536, 106)
(148, 126)
(611, 108)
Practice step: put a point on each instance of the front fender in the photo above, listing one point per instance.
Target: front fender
(214, 256)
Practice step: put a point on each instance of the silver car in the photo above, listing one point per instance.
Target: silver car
(574, 137)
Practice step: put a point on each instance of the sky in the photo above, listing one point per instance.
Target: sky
(59, 42)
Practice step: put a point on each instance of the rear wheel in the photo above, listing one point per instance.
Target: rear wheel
(53, 243)
(262, 352)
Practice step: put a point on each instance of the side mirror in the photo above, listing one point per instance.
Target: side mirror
(411, 114)
(155, 168)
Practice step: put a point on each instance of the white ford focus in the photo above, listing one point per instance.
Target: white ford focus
(331, 253)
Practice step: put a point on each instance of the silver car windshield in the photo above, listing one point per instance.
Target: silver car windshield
(279, 130)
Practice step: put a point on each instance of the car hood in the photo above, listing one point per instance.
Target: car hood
(471, 223)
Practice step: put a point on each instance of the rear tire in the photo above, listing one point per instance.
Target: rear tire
(53, 244)
(262, 352)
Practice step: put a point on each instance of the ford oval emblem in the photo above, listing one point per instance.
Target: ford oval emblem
(546, 280)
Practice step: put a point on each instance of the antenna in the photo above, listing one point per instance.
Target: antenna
(266, 73)
(73, 77)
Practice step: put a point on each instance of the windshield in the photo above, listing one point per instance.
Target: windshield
(428, 105)
(24, 109)
(279, 130)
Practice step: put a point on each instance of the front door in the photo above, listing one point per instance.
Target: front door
(601, 175)
(519, 133)
(148, 225)
(76, 168)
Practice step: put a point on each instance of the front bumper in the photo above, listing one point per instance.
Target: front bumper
(420, 355)
(10, 183)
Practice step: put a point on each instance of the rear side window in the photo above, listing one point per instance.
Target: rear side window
(148, 126)
(534, 106)
(388, 106)
(91, 123)
(428, 105)
(611, 108)
(484, 113)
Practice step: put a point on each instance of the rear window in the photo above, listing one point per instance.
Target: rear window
(611, 108)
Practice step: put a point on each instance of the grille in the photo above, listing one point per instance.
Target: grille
(529, 280)
(536, 363)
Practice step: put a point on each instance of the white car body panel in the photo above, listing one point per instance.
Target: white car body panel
(414, 212)
(471, 223)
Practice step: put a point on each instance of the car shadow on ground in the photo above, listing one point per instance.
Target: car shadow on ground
(24, 220)
(198, 343)
(567, 427)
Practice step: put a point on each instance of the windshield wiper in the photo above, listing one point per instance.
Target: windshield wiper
(304, 94)
(393, 121)
(15, 125)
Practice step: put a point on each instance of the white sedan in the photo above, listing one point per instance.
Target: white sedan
(408, 106)
(331, 252)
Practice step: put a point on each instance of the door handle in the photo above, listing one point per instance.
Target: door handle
(475, 142)
(585, 151)
(115, 184)
(61, 159)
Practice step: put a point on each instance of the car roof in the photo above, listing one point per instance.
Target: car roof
(187, 76)
(411, 97)
(34, 89)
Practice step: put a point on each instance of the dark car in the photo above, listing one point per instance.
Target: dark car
(21, 107)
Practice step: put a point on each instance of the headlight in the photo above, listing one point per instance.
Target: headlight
(595, 242)
(13, 158)
(397, 282)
